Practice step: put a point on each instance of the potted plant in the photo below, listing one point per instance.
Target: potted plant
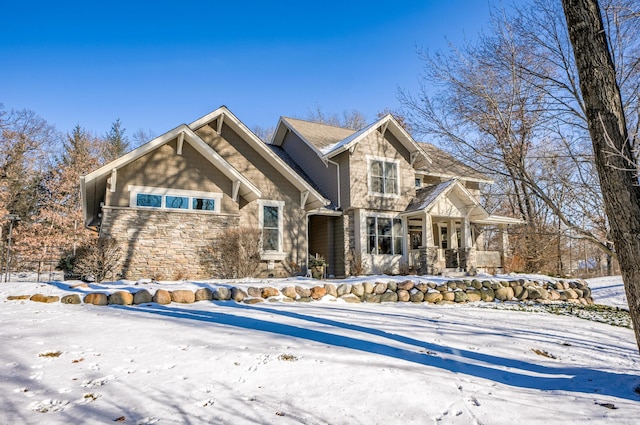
(317, 264)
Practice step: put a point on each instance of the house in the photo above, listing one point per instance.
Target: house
(374, 196)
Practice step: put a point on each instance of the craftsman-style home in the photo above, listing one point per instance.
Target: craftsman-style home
(375, 196)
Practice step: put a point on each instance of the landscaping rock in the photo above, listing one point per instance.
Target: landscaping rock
(254, 292)
(372, 298)
(331, 289)
(380, 288)
(121, 298)
(389, 297)
(142, 296)
(418, 296)
(520, 292)
(303, 292)
(304, 299)
(253, 300)
(407, 285)
(238, 295)
(487, 294)
(448, 296)
(162, 296)
(357, 290)
(221, 294)
(350, 298)
(460, 296)
(404, 295)
(368, 287)
(18, 297)
(318, 292)
(422, 287)
(473, 295)
(392, 286)
(269, 292)
(433, 297)
(476, 284)
(40, 298)
(290, 292)
(571, 294)
(504, 294)
(205, 294)
(96, 298)
(71, 299)
(183, 296)
(343, 289)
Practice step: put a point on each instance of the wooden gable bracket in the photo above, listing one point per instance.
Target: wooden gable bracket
(112, 181)
(220, 121)
(303, 198)
(352, 148)
(236, 190)
(384, 128)
(414, 156)
(180, 143)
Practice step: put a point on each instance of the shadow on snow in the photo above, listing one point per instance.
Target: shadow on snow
(506, 371)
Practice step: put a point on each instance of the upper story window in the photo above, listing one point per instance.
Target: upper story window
(383, 177)
(174, 199)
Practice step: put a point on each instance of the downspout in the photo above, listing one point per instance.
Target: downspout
(338, 179)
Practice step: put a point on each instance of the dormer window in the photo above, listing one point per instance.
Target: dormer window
(383, 177)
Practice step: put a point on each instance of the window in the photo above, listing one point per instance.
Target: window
(174, 199)
(418, 183)
(271, 223)
(383, 177)
(385, 235)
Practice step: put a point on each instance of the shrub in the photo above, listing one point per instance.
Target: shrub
(96, 260)
(234, 254)
(356, 263)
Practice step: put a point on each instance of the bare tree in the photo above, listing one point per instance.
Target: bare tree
(352, 119)
(615, 158)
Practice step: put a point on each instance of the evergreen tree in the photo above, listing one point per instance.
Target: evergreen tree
(116, 143)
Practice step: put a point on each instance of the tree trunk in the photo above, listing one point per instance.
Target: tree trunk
(615, 162)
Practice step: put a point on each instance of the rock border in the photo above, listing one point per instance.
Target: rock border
(452, 291)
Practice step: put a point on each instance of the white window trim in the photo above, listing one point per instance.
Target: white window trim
(370, 159)
(365, 232)
(279, 254)
(163, 191)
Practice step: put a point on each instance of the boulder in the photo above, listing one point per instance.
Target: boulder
(162, 296)
(40, 298)
(253, 300)
(554, 295)
(304, 299)
(448, 296)
(142, 296)
(368, 287)
(389, 297)
(71, 299)
(269, 292)
(460, 296)
(204, 294)
(183, 296)
(357, 290)
(372, 298)
(538, 293)
(407, 285)
(442, 288)
(504, 293)
(422, 287)
(121, 298)
(96, 298)
(18, 297)
(254, 292)
(520, 293)
(571, 294)
(404, 295)
(331, 289)
(418, 296)
(222, 293)
(318, 292)
(303, 292)
(433, 297)
(476, 284)
(473, 295)
(350, 298)
(343, 289)
(380, 288)
(238, 295)
(487, 294)
(392, 286)
(289, 292)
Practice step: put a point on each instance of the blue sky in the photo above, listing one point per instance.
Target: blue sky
(158, 64)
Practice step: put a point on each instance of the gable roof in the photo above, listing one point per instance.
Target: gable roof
(94, 184)
(427, 198)
(313, 198)
(328, 141)
(445, 165)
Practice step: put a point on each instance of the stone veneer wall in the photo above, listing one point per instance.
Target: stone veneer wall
(163, 244)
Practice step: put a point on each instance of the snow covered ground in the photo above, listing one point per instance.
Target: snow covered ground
(326, 362)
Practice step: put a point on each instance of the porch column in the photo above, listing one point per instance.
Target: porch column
(466, 233)
(451, 234)
(427, 231)
(503, 240)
